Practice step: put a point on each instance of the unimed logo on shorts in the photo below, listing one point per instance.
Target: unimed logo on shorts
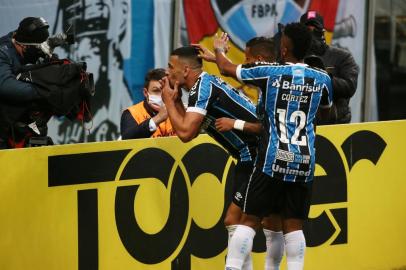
(181, 237)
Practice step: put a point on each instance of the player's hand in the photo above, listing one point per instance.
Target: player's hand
(155, 107)
(161, 116)
(224, 124)
(205, 53)
(169, 94)
(220, 42)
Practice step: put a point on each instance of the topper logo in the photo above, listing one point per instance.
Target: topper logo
(181, 237)
(142, 246)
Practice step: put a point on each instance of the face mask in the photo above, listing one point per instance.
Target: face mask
(318, 46)
(156, 100)
(32, 54)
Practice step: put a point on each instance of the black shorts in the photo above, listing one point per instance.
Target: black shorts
(265, 195)
(242, 173)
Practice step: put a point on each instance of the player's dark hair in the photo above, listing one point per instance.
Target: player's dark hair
(190, 54)
(154, 75)
(262, 46)
(300, 37)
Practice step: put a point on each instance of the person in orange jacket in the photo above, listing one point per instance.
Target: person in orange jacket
(149, 117)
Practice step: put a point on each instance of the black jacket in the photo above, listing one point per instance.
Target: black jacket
(130, 129)
(343, 70)
(12, 90)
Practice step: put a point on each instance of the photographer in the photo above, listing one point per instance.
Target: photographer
(340, 65)
(18, 48)
(35, 85)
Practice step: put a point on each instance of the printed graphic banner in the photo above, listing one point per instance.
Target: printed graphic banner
(158, 204)
(119, 40)
(246, 19)
(122, 40)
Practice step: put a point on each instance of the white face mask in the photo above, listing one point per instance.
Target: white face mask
(156, 100)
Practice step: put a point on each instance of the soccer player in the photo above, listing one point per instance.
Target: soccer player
(280, 185)
(211, 98)
(258, 49)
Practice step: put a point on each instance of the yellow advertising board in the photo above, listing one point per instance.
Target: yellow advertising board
(158, 203)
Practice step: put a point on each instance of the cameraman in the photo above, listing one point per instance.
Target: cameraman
(18, 48)
(340, 65)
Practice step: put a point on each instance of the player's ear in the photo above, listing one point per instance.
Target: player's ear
(186, 70)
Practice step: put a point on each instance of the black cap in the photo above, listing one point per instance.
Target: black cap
(32, 30)
(312, 18)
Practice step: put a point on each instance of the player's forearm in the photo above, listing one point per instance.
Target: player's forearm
(253, 128)
(225, 66)
(180, 107)
(247, 127)
(177, 117)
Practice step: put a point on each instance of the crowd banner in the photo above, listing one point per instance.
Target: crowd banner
(119, 40)
(158, 204)
(246, 19)
(122, 40)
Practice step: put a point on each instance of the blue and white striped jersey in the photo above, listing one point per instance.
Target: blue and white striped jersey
(291, 96)
(214, 98)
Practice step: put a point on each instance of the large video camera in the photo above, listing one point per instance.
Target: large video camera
(65, 87)
(59, 39)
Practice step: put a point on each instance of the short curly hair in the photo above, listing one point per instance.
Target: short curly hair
(300, 37)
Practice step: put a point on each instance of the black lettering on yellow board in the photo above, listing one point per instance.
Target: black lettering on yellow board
(84, 168)
(88, 230)
(145, 164)
(332, 188)
(203, 158)
(363, 144)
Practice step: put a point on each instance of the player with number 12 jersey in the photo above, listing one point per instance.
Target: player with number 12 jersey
(291, 96)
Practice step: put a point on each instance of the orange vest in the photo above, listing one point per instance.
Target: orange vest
(140, 114)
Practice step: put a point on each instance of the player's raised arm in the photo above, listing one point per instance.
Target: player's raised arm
(225, 66)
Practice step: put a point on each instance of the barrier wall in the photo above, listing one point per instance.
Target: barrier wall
(158, 204)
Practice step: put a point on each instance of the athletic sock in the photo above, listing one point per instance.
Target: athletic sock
(295, 245)
(248, 260)
(231, 230)
(275, 247)
(240, 246)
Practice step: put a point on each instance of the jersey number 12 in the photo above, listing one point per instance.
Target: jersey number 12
(295, 117)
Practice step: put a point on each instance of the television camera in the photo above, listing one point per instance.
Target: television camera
(65, 88)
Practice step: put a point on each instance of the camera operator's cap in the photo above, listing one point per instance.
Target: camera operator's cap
(312, 18)
(32, 30)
